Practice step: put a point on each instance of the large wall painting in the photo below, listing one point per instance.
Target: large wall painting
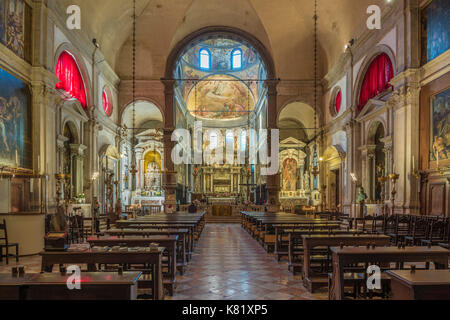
(440, 126)
(15, 27)
(289, 175)
(436, 20)
(15, 125)
(220, 97)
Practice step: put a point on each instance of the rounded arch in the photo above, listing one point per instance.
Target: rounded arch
(333, 152)
(72, 127)
(214, 32)
(129, 105)
(110, 151)
(371, 55)
(76, 54)
(302, 100)
(153, 156)
(302, 112)
(372, 130)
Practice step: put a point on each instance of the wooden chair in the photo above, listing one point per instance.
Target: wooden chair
(438, 233)
(389, 226)
(402, 228)
(367, 224)
(419, 231)
(4, 243)
(377, 224)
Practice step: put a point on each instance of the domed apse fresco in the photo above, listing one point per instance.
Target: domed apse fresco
(220, 97)
(220, 79)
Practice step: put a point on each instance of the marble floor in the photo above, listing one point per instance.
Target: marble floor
(228, 264)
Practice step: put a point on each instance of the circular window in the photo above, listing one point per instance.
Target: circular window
(336, 102)
(107, 105)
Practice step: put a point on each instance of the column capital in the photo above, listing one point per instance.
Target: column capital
(271, 86)
(168, 85)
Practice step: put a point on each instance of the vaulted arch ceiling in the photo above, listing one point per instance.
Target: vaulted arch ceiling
(285, 27)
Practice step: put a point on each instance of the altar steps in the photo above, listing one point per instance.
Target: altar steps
(222, 219)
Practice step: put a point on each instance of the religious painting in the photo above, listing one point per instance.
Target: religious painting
(15, 124)
(289, 174)
(220, 97)
(435, 29)
(2, 21)
(15, 27)
(440, 126)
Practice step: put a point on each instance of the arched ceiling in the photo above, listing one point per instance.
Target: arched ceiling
(145, 112)
(285, 27)
(298, 112)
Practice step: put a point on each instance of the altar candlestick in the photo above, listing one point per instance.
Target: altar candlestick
(437, 159)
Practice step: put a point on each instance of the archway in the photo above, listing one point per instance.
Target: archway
(296, 124)
(376, 162)
(333, 166)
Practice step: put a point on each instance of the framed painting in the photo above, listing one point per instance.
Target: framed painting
(440, 126)
(15, 27)
(15, 122)
(289, 174)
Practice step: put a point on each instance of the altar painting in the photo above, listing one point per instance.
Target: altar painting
(289, 174)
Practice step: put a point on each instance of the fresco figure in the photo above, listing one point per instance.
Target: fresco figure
(289, 174)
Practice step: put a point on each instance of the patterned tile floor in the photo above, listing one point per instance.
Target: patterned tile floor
(228, 264)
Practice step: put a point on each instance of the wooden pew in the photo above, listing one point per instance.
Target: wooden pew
(91, 258)
(53, 286)
(168, 242)
(312, 280)
(343, 257)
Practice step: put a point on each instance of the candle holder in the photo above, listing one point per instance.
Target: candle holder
(59, 178)
(315, 171)
(394, 177)
(324, 197)
(383, 180)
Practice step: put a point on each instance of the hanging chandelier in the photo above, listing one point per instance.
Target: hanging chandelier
(133, 170)
(315, 170)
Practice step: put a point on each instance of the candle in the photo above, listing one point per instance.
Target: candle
(413, 164)
(17, 158)
(39, 164)
(437, 159)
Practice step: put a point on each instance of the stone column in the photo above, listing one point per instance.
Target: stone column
(388, 165)
(405, 105)
(273, 185)
(140, 169)
(169, 176)
(77, 152)
(371, 172)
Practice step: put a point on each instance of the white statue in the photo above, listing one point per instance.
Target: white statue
(306, 181)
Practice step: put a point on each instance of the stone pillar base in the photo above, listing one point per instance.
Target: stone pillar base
(169, 184)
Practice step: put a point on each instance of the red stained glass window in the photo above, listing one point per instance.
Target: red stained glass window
(338, 101)
(377, 78)
(70, 78)
(106, 104)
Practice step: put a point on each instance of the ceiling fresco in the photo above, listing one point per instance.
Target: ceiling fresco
(220, 96)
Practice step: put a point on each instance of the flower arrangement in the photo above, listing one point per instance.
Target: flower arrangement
(196, 202)
(80, 199)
